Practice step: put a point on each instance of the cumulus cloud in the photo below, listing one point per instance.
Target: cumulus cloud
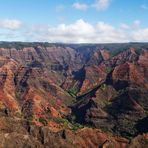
(124, 26)
(101, 4)
(10, 24)
(140, 35)
(78, 32)
(80, 6)
(107, 33)
(136, 24)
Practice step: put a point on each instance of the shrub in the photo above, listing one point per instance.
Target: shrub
(18, 94)
(72, 91)
(18, 114)
(43, 121)
(72, 125)
(76, 126)
(61, 120)
(30, 118)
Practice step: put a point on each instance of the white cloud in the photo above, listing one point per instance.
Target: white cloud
(78, 32)
(140, 35)
(107, 33)
(10, 24)
(101, 4)
(80, 6)
(136, 24)
(124, 26)
(72, 33)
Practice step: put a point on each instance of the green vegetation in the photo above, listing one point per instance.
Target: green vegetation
(69, 101)
(43, 121)
(61, 120)
(18, 114)
(18, 94)
(116, 52)
(30, 118)
(72, 125)
(76, 126)
(109, 69)
(138, 51)
(108, 103)
(103, 86)
(21, 45)
(73, 91)
(121, 92)
(126, 128)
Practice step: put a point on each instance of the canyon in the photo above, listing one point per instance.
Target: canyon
(73, 95)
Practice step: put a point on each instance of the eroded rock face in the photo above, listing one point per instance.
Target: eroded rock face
(118, 98)
(15, 133)
(47, 90)
(21, 134)
(140, 141)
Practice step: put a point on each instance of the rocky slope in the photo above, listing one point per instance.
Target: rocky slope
(73, 95)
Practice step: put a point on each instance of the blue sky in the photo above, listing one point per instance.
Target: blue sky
(74, 20)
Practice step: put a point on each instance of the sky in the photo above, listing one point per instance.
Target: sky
(74, 21)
